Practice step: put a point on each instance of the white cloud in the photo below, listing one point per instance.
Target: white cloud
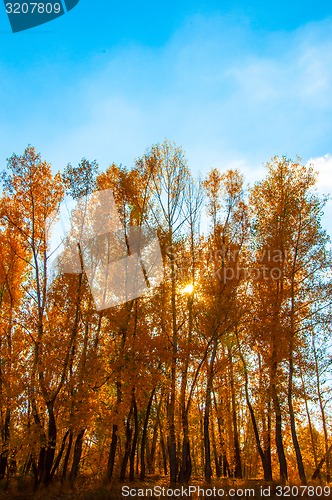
(229, 95)
(323, 165)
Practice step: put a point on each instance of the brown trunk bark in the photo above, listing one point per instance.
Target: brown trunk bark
(51, 444)
(321, 463)
(76, 457)
(237, 451)
(207, 445)
(125, 459)
(321, 405)
(278, 419)
(67, 456)
(59, 456)
(134, 443)
(314, 452)
(264, 456)
(296, 445)
(144, 435)
(215, 452)
(112, 453)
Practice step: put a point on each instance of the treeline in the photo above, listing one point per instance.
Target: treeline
(222, 370)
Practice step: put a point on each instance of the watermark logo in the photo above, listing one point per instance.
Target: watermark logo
(24, 15)
(120, 264)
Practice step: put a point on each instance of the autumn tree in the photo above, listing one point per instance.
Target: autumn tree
(228, 212)
(291, 260)
(31, 195)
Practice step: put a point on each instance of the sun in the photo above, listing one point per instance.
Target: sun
(188, 289)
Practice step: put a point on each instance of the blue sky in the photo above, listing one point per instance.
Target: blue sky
(233, 82)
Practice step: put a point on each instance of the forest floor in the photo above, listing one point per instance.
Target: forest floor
(87, 489)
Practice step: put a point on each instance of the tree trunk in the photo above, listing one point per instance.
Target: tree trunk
(67, 456)
(163, 448)
(186, 466)
(321, 463)
(51, 444)
(76, 457)
(134, 443)
(215, 452)
(237, 452)
(278, 417)
(224, 464)
(112, 453)
(5, 444)
(207, 445)
(266, 462)
(296, 445)
(314, 452)
(144, 435)
(125, 459)
(152, 452)
(58, 458)
(173, 463)
(321, 405)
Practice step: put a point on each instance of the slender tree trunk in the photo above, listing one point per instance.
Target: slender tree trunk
(321, 463)
(163, 447)
(266, 463)
(126, 456)
(144, 435)
(224, 464)
(314, 452)
(134, 443)
(5, 434)
(278, 418)
(186, 466)
(52, 434)
(279, 441)
(5, 444)
(112, 453)
(42, 451)
(237, 452)
(207, 445)
(67, 456)
(321, 405)
(151, 455)
(76, 457)
(296, 445)
(215, 452)
(59, 456)
(173, 463)
(35, 474)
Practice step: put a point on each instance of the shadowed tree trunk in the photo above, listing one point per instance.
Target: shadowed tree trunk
(144, 435)
(135, 441)
(112, 453)
(313, 445)
(207, 445)
(5, 444)
(321, 463)
(215, 452)
(297, 449)
(126, 456)
(76, 457)
(59, 456)
(67, 456)
(278, 424)
(52, 434)
(264, 456)
(237, 452)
